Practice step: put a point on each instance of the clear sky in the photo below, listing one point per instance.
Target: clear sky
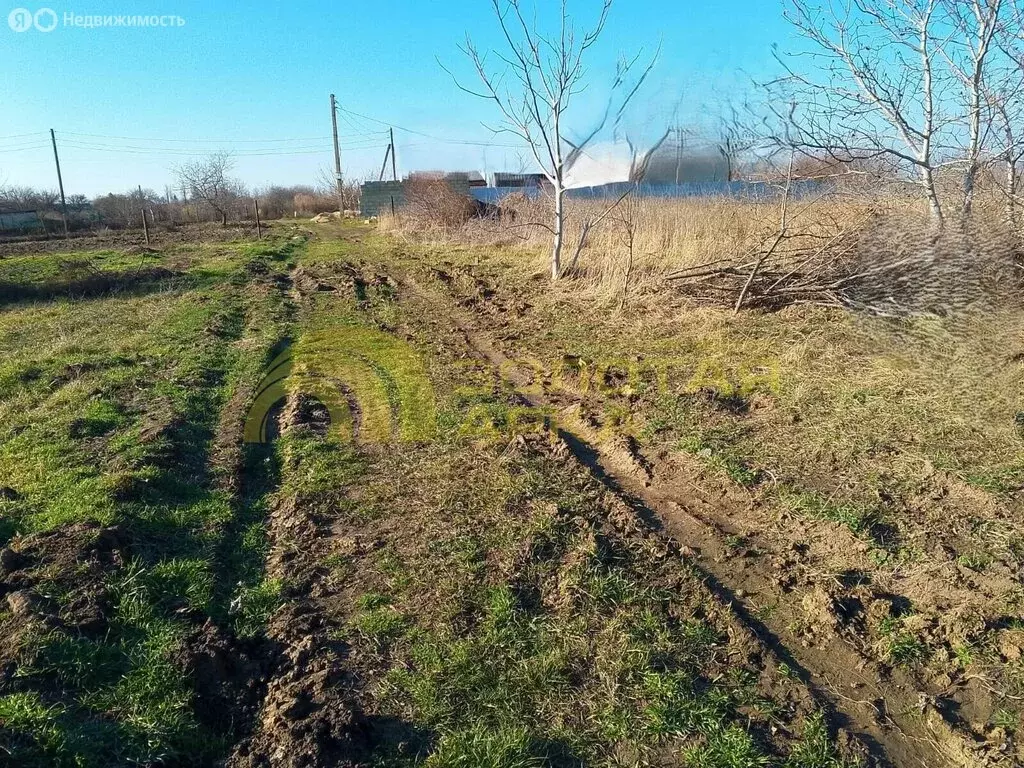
(254, 78)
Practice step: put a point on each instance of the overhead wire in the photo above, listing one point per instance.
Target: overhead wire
(467, 142)
(217, 141)
(24, 147)
(23, 135)
(186, 153)
(364, 137)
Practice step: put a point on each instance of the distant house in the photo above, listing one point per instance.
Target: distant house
(379, 197)
(20, 221)
(681, 164)
(455, 178)
(501, 179)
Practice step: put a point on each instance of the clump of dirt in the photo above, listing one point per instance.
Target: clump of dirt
(307, 718)
(74, 561)
(228, 677)
(308, 282)
(474, 292)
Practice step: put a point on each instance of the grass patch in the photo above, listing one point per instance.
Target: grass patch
(109, 406)
(901, 647)
(862, 520)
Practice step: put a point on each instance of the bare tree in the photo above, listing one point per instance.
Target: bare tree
(628, 218)
(735, 140)
(878, 90)
(534, 87)
(1005, 98)
(327, 184)
(970, 51)
(207, 181)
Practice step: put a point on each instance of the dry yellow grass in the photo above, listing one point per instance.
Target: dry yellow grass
(642, 241)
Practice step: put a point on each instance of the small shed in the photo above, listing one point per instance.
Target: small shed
(519, 180)
(20, 221)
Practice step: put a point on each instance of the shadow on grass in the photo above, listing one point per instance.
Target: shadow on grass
(136, 282)
(590, 458)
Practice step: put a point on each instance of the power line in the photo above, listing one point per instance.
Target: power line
(198, 153)
(22, 135)
(187, 150)
(466, 142)
(216, 141)
(245, 151)
(23, 147)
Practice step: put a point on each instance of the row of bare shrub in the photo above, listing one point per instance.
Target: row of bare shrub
(125, 210)
(865, 248)
(433, 207)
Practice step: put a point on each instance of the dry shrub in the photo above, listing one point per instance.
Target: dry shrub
(432, 204)
(903, 266)
(312, 203)
(866, 249)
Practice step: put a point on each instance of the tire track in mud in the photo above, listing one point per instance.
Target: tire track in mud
(899, 724)
(309, 716)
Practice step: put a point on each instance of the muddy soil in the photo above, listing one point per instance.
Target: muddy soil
(809, 590)
(802, 601)
(318, 709)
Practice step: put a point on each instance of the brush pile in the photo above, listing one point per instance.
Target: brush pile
(882, 264)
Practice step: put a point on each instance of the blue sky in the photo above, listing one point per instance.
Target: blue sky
(244, 77)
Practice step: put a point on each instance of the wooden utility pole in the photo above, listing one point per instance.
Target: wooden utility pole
(60, 183)
(259, 227)
(337, 151)
(394, 169)
(679, 152)
(145, 227)
(384, 165)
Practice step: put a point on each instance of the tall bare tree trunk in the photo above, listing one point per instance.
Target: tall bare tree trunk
(925, 155)
(969, 182)
(558, 179)
(1011, 193)
(934, 206)
(556, 246)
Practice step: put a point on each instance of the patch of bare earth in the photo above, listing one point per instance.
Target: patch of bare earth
(808, 590)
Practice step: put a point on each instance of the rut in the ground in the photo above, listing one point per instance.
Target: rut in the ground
(883, 708)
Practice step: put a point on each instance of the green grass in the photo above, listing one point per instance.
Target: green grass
(902, 647)
(815, 748)
(109, 403)
(495, 604)
(862, 520)
(255, 605)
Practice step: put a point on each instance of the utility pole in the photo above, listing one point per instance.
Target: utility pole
(337, 151)
(394, 168)
(60, 183)
(679, 152)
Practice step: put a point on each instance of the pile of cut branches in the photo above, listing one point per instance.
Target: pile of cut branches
(892, 265)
